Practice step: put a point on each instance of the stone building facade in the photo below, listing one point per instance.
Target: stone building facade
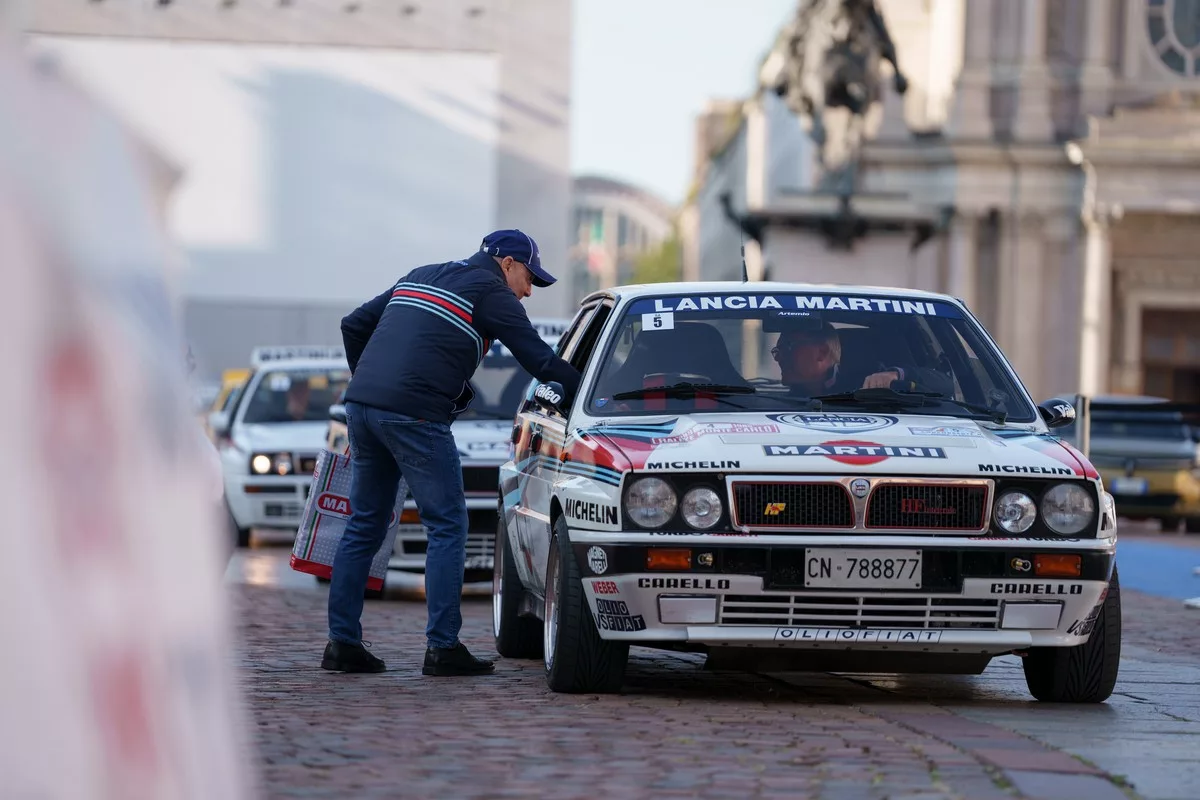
(1045, 163)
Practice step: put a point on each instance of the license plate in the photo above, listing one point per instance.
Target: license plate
(1125, 485)
(842, 568)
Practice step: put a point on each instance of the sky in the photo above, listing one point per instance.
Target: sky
(642, 70)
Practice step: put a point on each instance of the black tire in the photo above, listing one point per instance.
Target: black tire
(240, 536)
(1169, 524)
(375, 594)
(1087, 672)
(516, 636)
(576, 658)
(1192, 524)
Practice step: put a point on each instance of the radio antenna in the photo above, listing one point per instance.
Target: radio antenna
(745, 272)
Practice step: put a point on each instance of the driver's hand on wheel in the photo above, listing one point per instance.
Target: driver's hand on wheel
(881, 380)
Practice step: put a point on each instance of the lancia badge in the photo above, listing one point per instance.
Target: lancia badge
(859, 487)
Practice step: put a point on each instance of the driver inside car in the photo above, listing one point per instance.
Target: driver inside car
(809, 361)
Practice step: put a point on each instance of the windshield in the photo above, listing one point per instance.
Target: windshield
(296, 395)
(767, 352)
(500, 384)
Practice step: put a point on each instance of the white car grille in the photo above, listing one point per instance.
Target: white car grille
(856, 611)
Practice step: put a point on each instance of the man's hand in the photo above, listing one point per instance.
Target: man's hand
(881, 380)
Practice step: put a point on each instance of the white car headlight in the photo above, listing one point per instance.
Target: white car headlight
(651, 502)
(701, 508)
(1015, 512)
(1067, 508)
(261, 464)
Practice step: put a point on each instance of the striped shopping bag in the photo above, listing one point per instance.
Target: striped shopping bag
(325, 516)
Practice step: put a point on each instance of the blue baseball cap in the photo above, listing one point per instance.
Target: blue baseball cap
(522, 248)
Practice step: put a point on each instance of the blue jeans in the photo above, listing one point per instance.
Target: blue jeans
(384, 447)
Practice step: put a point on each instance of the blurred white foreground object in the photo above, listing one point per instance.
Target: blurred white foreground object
(117, 681)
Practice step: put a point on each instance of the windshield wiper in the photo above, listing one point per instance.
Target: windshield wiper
(884, 396)
(685, 390)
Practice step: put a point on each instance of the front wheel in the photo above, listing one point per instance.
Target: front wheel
(516, 636)
(1085, 673)
(576, 658)
(1192, 524)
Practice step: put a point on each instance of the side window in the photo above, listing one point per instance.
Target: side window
(576, 328)
(591, 335)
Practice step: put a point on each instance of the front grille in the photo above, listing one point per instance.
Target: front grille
(793, 505)
(1159, 501)
(858, 612)
(481, 480)
(927, 507)
(479, 545)
(282, 510)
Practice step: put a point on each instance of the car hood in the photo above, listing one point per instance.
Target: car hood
(485, 441)
(285, 436)
(826, 443)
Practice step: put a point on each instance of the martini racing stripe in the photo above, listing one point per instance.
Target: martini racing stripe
(601, 474)
(409, 299)
(449, 297)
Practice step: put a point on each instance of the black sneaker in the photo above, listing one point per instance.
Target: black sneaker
(455, 660)
(342, 657)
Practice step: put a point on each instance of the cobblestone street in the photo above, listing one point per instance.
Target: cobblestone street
(680, 731)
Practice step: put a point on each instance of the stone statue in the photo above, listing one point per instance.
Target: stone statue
(826, 66)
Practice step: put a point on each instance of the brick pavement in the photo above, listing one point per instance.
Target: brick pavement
(676, 731)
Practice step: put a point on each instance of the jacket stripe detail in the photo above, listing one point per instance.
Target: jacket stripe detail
(432, 298)
(425, 305)
(459, 301)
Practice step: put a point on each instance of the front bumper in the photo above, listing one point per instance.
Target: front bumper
(267, 501)
(972, 600)
(412, 542)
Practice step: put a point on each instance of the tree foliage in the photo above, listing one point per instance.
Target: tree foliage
(662, 264)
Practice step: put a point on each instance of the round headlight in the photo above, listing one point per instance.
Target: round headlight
(701, 508)
(1067, 508)
(283, 463)
(261, 464)
(1015, 512)
(651, 502)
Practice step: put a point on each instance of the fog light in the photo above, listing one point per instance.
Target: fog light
(687, 610)
(668, 559)
(410, 516)
(1057, 566)
(1031, 616)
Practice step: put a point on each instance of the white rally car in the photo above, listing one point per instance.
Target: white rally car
(796, 477)
(484, 434)
(270, 440)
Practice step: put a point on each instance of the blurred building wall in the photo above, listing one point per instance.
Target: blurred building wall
(1079, 259)
(613, 223)
(326, 148)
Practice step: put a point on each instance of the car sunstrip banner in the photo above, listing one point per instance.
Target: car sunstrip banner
(658, 312)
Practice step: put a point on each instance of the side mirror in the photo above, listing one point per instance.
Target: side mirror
(218, 423)
(1057, 413)
(550, 396)
(337, 413)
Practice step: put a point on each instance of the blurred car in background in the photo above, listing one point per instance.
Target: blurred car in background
(484, 437)
(270, 440)
(228, 393)
(1146, 451)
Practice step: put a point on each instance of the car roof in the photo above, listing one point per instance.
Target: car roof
(635, 290)
(284, 364)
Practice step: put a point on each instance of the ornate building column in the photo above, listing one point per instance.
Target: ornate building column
(970, 111)
(1033, 120)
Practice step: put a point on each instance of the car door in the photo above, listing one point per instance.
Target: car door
(527, 443)
(548, 444)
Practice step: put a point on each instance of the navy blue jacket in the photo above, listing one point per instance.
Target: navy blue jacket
(413, 349)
